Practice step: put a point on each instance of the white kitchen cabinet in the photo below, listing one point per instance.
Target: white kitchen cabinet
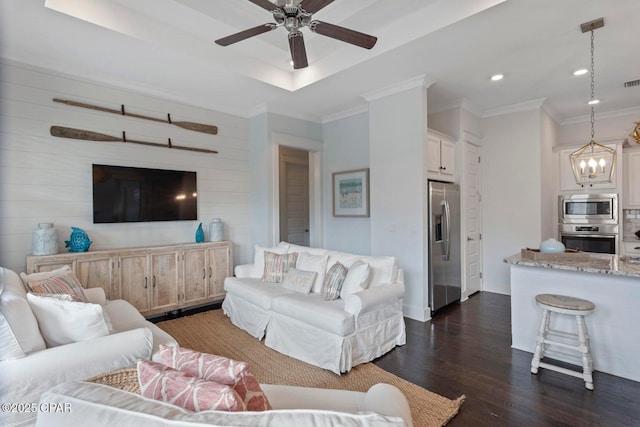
(631, 181)
(441, 156)
(568, 180)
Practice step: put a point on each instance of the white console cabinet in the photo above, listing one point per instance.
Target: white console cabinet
(153, 279)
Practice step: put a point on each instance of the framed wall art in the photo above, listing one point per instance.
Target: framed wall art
(351, 193)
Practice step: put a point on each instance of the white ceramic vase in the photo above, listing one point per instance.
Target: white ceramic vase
(45, 239)
(216, 230)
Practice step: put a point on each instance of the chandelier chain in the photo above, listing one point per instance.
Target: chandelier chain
(592, 87)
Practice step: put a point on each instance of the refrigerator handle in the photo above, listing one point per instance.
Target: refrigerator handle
(447, 238)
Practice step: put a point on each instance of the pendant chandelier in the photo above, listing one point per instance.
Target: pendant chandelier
(593, 163)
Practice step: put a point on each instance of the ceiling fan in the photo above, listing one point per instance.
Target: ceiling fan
(294, 15)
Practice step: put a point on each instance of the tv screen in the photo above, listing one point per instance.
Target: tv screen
(128, 194)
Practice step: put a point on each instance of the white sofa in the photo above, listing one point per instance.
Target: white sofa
(96, 405)
(24, 379)
(335, 335)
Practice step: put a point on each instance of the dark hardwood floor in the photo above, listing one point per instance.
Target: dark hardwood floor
(466, 349)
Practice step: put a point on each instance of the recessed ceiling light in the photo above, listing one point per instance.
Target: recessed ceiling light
(580, 72)
(594, 102)
(497, 77)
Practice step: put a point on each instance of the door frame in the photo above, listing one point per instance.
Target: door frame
(314, 147)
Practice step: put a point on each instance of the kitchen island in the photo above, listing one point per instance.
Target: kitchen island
(612, 284)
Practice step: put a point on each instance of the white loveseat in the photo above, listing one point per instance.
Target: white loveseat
(335, 335)
(87, 404)
(24, 379)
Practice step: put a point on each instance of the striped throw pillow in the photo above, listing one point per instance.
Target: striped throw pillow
(333, 281)
(277, 265)
(60, 281)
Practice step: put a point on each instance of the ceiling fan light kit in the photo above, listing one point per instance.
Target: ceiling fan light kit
(294, 16)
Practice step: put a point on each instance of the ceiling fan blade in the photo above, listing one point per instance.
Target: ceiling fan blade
(234, 38)
(344, 34)
(265, 4)
(312, 6)
(298, 52)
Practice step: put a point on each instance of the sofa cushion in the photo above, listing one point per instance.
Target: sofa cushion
(22, 322)
(277, 265)
(314, 310)
(343, 258)
(160, 382)
(59, 281)
(255, 290)
(384, 270)
(63, 322)
(300, 281)
(12, 284)
(298, 248)
(317, 263)
(10, 348)
(333, 282)
(357, 279)
(220, 369)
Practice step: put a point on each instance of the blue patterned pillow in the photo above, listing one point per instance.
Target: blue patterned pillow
(333, 281)
(299, 280)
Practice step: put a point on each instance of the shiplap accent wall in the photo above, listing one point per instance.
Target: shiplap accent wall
(48, 179)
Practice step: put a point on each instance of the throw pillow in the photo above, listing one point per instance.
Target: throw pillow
(258, 258)
(64, 322)
(165, 384)
(220, 369)
(357, 279)
(277, 265)
(22, 322)
(60, 281)
(312, 262)
(333, 282)
(299, 280)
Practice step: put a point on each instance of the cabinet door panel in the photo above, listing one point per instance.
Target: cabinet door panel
(219, 266)
(632, 180)
(448, 158)
(41, 265)
(134, 280)
(165, 280)
(195, 276)
(98, 273)
(433, 154)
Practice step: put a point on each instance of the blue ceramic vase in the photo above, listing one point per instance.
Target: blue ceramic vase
(78, 241)
(199, 234)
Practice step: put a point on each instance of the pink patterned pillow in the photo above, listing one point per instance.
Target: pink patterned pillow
(220, 369)
(163, 383)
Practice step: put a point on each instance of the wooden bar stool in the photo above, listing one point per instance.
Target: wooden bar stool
(578, 342)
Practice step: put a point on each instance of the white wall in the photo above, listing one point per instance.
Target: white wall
(550, 177)
(511, 192)
(609, 128)
(48, 179)
(397, 131)
(346, 147)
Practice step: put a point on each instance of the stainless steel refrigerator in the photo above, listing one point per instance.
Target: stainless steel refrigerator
(445, 280)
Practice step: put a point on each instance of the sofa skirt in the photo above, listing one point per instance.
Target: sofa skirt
(246, 315)
(329, 351)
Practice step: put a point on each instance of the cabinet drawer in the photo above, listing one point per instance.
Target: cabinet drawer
(631, 248)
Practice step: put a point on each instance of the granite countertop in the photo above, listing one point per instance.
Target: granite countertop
(597, 263)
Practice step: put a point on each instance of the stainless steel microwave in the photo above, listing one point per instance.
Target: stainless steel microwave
(588, 208)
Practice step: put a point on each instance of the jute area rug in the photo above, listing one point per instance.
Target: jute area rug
(212, 332)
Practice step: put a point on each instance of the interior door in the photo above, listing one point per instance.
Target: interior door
(294, 196)
(473, 247)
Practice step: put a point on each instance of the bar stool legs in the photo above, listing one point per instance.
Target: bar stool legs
(546, 345)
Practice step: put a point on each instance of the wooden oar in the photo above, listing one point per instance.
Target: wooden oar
(198, 127)
(86, 135)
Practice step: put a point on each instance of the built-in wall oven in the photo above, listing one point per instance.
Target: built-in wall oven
(589, 222)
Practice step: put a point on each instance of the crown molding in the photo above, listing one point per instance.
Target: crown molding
(535, 104)
(463, 104)
(604, 115)
(345, 113)
(420, 81)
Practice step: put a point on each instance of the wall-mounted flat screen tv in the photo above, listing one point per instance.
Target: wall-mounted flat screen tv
(129, 194)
